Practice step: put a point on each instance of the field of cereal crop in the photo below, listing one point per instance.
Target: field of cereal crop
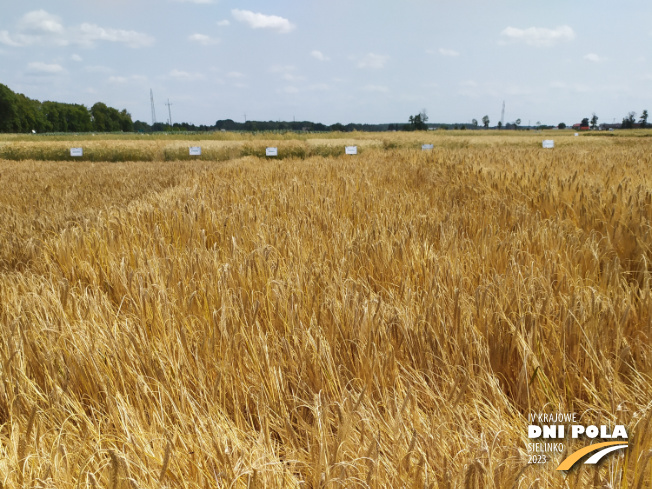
(389, 319)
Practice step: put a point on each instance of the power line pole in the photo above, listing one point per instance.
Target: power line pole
(151, 98)
(502, 116)
(169, 112)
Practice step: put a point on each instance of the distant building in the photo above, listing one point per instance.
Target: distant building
(580, 127)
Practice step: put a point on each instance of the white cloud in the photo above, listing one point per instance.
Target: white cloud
(374, 61)
(235, 74)
(36, 27)
(7, 40)
(38, 68)
(185, 76)
(90, 33)
(224, 23)
(40, 22)
(76, 57)
(41, 28)
(468, 83)
(593, 57)
(539, 36)
(287, 73)
(448, 52)
(203, 39)
(319, 55)
(120, 80)
(256, 20)
(375, 88)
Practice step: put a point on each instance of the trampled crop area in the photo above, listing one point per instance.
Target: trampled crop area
(387, 319)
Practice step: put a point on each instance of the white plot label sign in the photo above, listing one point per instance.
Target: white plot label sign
(271, 151)
(195, 151)
(427, 147)
(76, 152)
(548, 143)
(351, 150)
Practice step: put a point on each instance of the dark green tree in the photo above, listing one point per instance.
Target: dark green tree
(101, 118)
(594, 121)
(628, 122)
(485, 121)
(140, 126)
(418, 122)
(126, 124)
(8, 110)
(51, 113)
(108, 119)
(30, 115)
(643, 119)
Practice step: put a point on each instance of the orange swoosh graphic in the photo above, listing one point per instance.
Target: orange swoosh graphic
(570, 460)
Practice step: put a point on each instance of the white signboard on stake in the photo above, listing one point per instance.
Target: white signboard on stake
(76, 152)
(351, 150)
(195, 151)
(427, 147)
(271, 151)
(548, 143)
(577, 134)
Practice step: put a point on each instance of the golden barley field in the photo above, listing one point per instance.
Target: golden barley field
(319, 320)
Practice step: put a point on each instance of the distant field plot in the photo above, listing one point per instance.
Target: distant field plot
(386, 319)
(225, 146)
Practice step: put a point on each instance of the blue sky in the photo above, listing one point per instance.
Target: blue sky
(334, 61)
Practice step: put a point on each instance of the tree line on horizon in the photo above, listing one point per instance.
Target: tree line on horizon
(20, 114)
(258, 126)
